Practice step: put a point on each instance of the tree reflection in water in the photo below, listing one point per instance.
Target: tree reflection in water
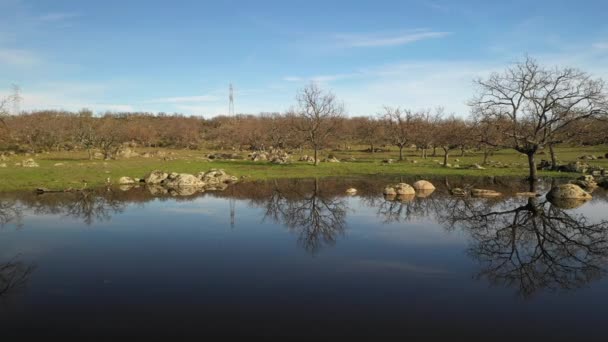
(317, 216)
(531, 245)
(10, 212)
(14, 275)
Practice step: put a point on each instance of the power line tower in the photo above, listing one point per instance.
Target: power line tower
(231, 101)
(16, 97)
(231, 114)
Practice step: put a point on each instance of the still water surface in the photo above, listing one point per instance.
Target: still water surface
(298, 257)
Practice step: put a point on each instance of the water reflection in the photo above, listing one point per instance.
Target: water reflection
(524, 243)
(317, 215)
(10, 212)
(531, 246)
(14, 275)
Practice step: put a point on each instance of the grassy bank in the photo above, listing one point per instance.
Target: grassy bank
(60, 170)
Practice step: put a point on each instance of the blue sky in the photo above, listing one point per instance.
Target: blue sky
(180, 56)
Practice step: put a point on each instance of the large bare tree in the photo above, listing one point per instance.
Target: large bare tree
(317, 116)
(539, 103)
(400, 124)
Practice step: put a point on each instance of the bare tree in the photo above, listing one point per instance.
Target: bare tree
(538, 103)
(425, 129)
(369, 130)
(451, 133)
(399, 125)
(317, 116)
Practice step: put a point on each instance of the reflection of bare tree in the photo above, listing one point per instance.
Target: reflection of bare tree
(317, 216)
(10, 211)
(90, 207)
(531, 245)
(395, 210)
(13, 276)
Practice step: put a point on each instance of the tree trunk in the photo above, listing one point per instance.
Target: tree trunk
(400, 152)
(434, 151)
(485, 156)
(372, 148)
(532, 165)
(316, 159)
(462, 151)
(553, 158)
(445, 157)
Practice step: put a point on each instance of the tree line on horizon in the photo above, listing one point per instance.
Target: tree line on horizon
(527, 107)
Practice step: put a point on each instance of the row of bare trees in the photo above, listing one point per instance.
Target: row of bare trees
(527, 107)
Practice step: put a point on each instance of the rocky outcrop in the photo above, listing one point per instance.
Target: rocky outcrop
(477, 167)
(179, 180)
(423, 185)
(259, 156)
(279, 157)
(183, 184)
(331, 159)
(588, 157)
(389, 191)
(404, 189)
(29, 163)
(215, 177)
(307, 158)
(586, 182)
(127, 180)
(127, 153)
(568, 191)
(574, 167)
(156, 177)
(388, 161)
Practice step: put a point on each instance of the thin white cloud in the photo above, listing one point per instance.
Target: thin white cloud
(58, 16)
(600, 45)
(354, 41)
(186, 99)
(18, 57)
(292, 79)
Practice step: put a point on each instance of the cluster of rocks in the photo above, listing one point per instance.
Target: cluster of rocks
(307, 158)
(331, 159)
(406, 192)
(183, 184)
(275, 156)
(27, 163)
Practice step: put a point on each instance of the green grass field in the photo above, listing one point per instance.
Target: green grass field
(77, 169)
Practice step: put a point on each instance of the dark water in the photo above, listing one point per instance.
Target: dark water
(298, 258)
